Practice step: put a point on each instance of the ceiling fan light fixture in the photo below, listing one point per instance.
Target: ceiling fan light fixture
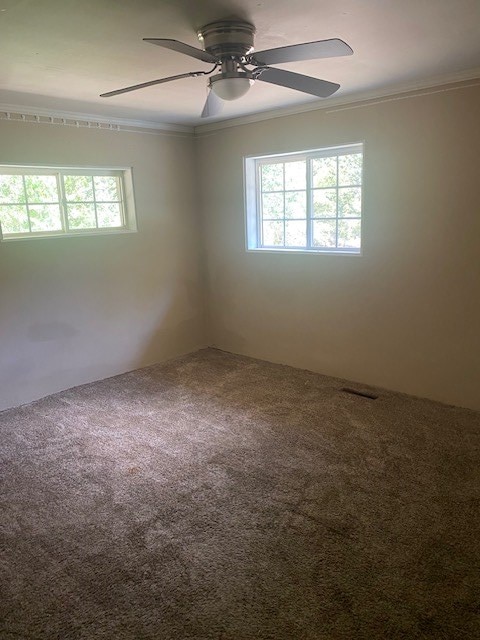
(229, 45)
(230, 88)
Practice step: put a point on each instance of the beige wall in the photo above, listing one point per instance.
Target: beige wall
(406, 315)
(74, 310)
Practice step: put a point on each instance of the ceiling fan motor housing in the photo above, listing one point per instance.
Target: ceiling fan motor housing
(227, 39)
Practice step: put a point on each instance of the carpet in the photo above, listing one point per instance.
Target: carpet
(220, 497)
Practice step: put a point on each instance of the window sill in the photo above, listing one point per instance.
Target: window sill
(315, 252)
(51, 236)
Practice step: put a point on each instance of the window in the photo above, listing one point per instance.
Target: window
(49, 201)
(309, 201)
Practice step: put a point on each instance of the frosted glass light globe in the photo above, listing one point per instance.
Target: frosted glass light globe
(231, 88)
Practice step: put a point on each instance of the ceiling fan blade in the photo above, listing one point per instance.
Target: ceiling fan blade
(307, 84)
(213, 105)
(181, 47)
(306, 51)
(192, 74)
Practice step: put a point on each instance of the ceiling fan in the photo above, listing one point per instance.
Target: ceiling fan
(228, 45)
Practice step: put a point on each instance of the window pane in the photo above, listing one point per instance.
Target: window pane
(324, 203)
(272, 177)
(109, 215)
(295, 204)
(273, 234)
(45, 217)
(350, 169)
(295, 175)
(78, 188)
(81, 216)
(106, 188)
(41, 188)
(324, 233)
(296, 233)
(272, 205)
(349, 233)
(11, 189)
(350, 202)
(301, 198)
(14, 218)
(324, 172)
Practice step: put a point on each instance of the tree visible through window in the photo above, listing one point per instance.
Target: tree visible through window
(55, 202)
(310, 201)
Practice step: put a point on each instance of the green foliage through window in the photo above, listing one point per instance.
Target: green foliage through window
(311, 202)
(59, 202)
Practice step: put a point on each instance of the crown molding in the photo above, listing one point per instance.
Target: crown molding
(44, 115)
(431, 85)
(89, 120)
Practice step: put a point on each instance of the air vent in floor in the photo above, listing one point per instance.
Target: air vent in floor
(363, 394)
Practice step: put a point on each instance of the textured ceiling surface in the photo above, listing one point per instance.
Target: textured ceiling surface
(61, 54)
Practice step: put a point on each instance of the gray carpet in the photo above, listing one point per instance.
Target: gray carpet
(221, 497)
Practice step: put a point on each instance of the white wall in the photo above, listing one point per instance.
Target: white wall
(74, 310)
(406, 315)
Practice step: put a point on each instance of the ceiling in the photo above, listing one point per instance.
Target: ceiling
(61, 54)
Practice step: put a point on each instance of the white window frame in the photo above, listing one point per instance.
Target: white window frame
(253, 218)
(126, 201)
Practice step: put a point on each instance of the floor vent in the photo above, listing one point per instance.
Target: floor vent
(363, 394)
